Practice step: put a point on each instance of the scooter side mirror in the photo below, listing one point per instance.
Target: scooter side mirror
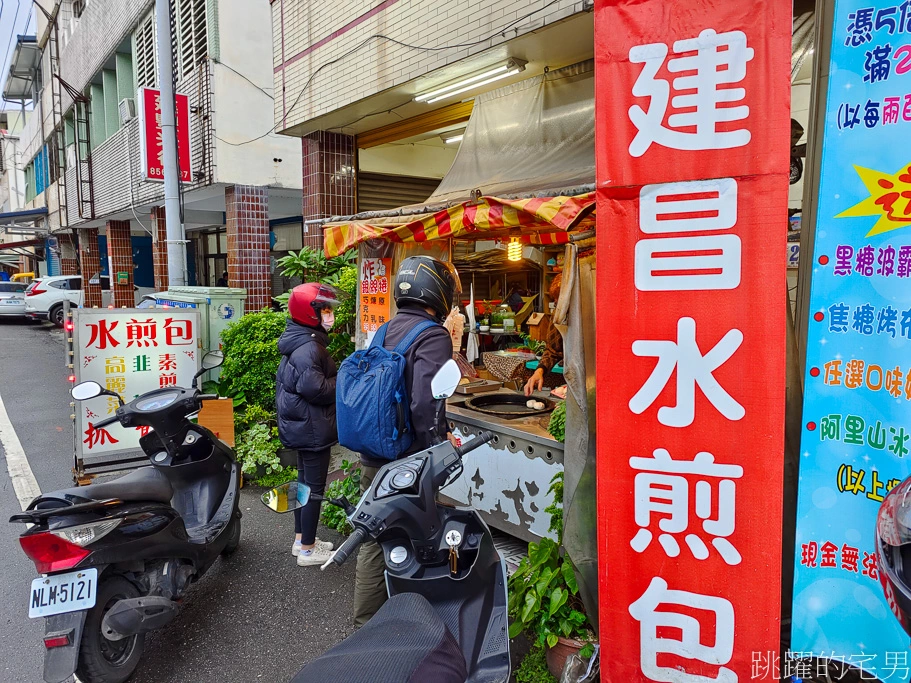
(86, 390)
(212, 360)
(446, 381)
(287, 497)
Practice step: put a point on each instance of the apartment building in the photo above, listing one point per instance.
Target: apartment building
(89, 150)
(22, 242)
(352, 82)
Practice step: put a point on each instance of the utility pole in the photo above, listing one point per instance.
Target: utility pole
(177, 249)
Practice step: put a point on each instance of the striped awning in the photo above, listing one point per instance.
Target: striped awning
(540, 220)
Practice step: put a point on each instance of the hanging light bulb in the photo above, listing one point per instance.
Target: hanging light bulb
(514, 249)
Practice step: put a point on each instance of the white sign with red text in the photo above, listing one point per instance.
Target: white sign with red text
(130, 352)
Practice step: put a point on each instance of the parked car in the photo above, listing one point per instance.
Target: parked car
(12, 299)
(44, 297)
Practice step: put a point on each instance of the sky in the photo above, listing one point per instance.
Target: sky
(16, 17)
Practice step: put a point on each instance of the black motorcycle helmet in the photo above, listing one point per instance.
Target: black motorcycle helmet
(893, 551)
(427, 282)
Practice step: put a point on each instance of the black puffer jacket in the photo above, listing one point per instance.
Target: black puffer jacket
(305, 389)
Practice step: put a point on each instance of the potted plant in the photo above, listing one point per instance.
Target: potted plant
(544, 597)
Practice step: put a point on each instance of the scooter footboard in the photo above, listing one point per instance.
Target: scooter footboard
(60, 662)
(474, 609)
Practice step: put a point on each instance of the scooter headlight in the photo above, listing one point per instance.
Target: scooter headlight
(84, 534)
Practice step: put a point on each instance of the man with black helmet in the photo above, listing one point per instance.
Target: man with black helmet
(425, 289)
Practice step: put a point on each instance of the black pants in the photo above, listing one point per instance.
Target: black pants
(312, 469)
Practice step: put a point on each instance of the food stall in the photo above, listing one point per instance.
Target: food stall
(521, 185)
(507, 480)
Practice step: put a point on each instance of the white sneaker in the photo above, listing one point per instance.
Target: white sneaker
(316, 557)
(296, 547)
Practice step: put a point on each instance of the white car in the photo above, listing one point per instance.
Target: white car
(45, 296)
(12, 299)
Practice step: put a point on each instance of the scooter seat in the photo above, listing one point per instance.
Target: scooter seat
(145, 484)
(404, 642)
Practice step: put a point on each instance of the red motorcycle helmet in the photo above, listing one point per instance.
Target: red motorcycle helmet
(893, 551)
(307, 300)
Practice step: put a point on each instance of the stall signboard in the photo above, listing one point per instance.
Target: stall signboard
(150, 136)
(375, 288)
(856, 438)
(130, 352)
(693, 130)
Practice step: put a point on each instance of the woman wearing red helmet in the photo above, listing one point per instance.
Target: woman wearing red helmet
(305, 403)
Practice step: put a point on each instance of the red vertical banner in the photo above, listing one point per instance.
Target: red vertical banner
(150, 135)
(693, 121)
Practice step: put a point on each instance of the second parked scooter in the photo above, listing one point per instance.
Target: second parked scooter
(115, 557)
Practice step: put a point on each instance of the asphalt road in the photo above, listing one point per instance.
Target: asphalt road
(256, 616)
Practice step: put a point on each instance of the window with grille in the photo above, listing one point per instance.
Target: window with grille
(144, 53)
(192, 39)
(189, 42)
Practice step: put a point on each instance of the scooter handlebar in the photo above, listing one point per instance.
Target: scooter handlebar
(208, 397)
(348, 547)
(104, 423)
(479, 440)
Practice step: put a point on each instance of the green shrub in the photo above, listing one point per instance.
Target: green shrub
(544, 597)
(349, 487)
(533, 668)
(274, 479)
(257, 446)
(557, 424)
(311, 265)
(340, 338)
(251, 353)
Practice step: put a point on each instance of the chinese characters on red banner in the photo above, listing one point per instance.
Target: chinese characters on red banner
(692, 181)
(375, 292)
(130, 354)
(151, 136)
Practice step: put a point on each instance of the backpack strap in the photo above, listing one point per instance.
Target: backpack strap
(379, 336)
(411, 336)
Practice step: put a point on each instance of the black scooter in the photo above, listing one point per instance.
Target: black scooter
(116, 556)
(446, 619)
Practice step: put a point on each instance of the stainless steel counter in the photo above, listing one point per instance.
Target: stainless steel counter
(507, 479)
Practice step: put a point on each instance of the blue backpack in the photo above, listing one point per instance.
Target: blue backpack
(372, 405)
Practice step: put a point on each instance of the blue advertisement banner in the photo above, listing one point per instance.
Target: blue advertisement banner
(856, 437)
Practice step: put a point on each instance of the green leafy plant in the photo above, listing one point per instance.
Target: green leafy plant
(274, 479)
(557, 424)
(535, 346)
(258, 446)
(348, 487)
(341, 343)
(544, 597)
(251, 353)
(533, 668)
(311, 265)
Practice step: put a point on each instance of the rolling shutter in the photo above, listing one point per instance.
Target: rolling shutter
(381, 192)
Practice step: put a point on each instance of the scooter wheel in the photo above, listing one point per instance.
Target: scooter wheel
(102, 660)
(233, 538)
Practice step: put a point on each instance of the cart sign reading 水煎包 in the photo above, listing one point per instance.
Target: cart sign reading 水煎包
(693, 124)
(150, 137)
(130, 352)
(856, 440)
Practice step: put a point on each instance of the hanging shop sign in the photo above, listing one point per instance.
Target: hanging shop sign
(130, 352)
(375, 292)
(692, 109)
(857, 393)
(150, 137)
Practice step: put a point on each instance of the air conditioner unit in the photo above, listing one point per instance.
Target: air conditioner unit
(127, 110)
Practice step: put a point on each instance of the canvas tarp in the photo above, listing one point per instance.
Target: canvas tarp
(526, 162)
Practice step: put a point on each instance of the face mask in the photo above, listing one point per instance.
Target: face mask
(327, 319)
